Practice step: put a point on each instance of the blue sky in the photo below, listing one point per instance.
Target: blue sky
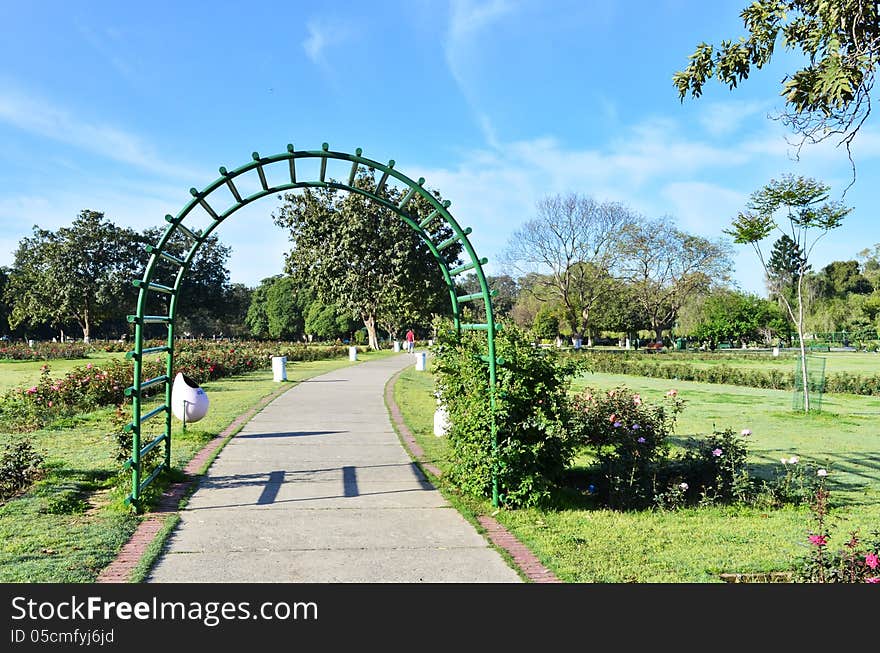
(122, 107)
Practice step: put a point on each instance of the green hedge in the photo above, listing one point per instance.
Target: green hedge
(641, 365)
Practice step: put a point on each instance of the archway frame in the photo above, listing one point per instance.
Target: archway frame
(140, 477)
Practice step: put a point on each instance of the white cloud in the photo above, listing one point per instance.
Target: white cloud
(39, 117)
(720, 118)
(703, 208)
(323, 34)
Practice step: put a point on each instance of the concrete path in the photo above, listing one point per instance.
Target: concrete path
(317, 488)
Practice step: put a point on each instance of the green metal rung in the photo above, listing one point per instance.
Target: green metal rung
(256, 157)
(232, 187)
(133, 355)
(148, 447)
(152, 249)
(498, 361)
(204, 204)
(150, 319)
(130, 390)
(157, 287)
(291, 162)
(185, 230)
(325, 147)
(384, 178)
(424, 223)
(156, 411)
(476, 295)
(354, 167)
(478, 327)
(466, 267)
(409, 195)
(150, 478)
(451, 241)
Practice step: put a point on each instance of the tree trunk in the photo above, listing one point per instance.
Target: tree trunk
(800, 327)
(372, 340)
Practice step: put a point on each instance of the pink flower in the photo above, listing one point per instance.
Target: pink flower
(88, 366)
(50, 404)
(872, 560)
(818, 540)
(641, 440)
(873, 579)
(612, 418)
(32, 390)
(745, 432)
(717, 452)
(672, 393)
(637, 400)
(793, 460)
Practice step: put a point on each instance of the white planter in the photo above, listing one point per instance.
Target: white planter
(352, 353)
(421, 360)
(189, 403)
(396, 346)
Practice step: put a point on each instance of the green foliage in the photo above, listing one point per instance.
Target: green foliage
(829, 95)
(362, 257)
(730, 315)
(531, 416)
(546, 324)
(714, 469)
(44, 351)
(79, 273)
(20, 466)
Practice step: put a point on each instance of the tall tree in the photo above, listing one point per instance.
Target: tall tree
(80, 273)
(665, 266)
(840, 44)
(362, 257)
(732, 315)
(5, 308)
(203, 300)
(805, 209)
(502, 304)
(569, 247)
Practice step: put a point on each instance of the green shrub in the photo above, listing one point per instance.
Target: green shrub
(20, 466)
(531, 416)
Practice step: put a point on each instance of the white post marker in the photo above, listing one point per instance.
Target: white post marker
(421, 360)
(396, 346)
(352, 353)
(279, 368)
(441, 420)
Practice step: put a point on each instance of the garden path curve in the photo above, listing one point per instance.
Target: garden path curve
(317, 488)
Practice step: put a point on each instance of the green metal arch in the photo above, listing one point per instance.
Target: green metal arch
(140, 477)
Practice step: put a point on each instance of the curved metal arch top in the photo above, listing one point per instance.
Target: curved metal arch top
(141, 477)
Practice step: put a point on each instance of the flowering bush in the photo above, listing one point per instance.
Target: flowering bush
(715, 468)
(856, 562)
(88, 387)
(628, 436)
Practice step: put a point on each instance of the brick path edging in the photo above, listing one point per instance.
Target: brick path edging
(527, 562)
(121, 568)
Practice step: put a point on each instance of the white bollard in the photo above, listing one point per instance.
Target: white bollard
(279, 368)
(421, 361)
(441, 420)
(352, 353)
(396, 346)
(776, 351)
(31, 344)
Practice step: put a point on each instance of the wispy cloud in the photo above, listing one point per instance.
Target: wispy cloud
(108, 43)
(39, 117)
(323, 34)
(720, 118)
(467, 20)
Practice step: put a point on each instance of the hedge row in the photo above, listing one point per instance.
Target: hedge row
(639, 365)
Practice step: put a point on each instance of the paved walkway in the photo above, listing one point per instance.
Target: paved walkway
(317, 488)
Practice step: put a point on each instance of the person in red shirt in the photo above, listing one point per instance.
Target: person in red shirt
(410, 340)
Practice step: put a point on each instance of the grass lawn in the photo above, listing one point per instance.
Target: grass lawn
(72, 523)
(593, 544)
